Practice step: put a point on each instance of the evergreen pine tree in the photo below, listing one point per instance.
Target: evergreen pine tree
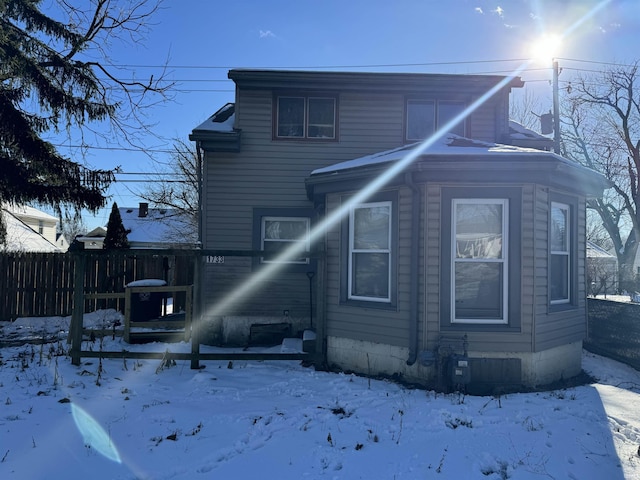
(116, 237)
(52, 81)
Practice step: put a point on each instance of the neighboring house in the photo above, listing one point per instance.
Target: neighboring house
(61, 242)
(471, 248)
(40, 222)
(602, 270)
(21, 234)
(93, 240)
(148, 228)
(157, 227)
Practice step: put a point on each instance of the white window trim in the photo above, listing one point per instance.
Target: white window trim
(504, 260)
(289, 241)
(305, 116)
(353, 250)
(567, 252)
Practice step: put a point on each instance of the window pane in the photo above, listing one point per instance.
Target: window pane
(559, 281)
(290, 116)
(371, 228)
(370, 275)
(321, 118)
(285, 229)
(280, 233)
(478, 230)
(273, 249)
(559, 222)
(478, 290)
(420, 119)
(447, 111)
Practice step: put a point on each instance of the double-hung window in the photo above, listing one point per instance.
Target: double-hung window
(479, 269)
(560, 261)
(424, 117)
(369, 265)
(280, 234)
(305, 117)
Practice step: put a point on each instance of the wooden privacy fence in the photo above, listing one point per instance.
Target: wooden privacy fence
(41, 284)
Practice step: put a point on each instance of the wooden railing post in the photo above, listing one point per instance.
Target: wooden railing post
(196, 310)
(75, 329)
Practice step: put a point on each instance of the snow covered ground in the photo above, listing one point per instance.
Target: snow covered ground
(132, 419)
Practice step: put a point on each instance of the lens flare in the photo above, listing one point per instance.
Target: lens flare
(94, 435)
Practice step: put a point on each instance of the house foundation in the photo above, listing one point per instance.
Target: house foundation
(488, 370)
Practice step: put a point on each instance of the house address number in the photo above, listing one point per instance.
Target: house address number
(215, 258)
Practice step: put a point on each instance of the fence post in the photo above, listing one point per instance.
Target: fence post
(75, 329)
(196, 311)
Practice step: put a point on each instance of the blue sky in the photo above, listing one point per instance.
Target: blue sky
(201, 40)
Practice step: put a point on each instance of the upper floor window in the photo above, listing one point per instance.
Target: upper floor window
(370, 252)
(560, 268)
(40, 227)
(280, 233)
(424, 117)
(312, 117)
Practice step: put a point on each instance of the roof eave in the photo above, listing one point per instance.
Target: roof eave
(217, 141)
(543, 168)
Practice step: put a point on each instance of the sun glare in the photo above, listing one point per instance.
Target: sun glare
(545, 48)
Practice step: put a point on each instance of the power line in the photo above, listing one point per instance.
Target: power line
(321, 67)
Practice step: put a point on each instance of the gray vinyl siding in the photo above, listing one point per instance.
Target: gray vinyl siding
(555, 328)
(271, 173)
(485, 339)
(361, 323)
(268, 173)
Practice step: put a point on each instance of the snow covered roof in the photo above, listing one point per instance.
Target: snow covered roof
(158, 227)
(448, 144)
(22, 238)
(221, 121)
(30, 212)
(520, 132)
(595, 251)
(524, 137)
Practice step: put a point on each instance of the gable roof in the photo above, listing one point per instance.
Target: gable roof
(30, 212)
(22, 238)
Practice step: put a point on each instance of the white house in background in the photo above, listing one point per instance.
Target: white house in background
(93, 240)
(41, 222)
(30, 230)
(148, 228)
(602, 270)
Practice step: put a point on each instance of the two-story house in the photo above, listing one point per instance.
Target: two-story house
(32, 230)
(469, 244)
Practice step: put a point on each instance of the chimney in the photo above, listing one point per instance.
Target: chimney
(143, 210)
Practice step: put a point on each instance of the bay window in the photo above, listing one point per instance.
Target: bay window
(560, 253)
(369, 265)
(479, 261)
(481, 284)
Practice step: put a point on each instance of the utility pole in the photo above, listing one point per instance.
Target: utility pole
(556, 109)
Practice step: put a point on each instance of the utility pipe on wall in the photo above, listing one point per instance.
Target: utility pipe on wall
(413, 269)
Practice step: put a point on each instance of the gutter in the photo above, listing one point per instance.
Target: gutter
(414, 269)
